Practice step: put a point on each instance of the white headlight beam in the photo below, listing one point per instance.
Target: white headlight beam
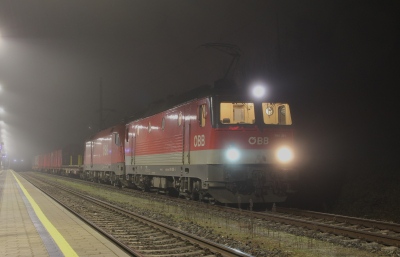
(232, 154)
(285, 155)
(258, 91)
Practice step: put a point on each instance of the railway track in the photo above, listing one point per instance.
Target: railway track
(377, 230)
(136, 234)
(353, 228)
(368, 225)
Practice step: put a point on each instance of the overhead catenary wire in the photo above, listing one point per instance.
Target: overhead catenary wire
(195, 54)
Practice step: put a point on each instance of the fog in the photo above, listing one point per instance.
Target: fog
(334, 61)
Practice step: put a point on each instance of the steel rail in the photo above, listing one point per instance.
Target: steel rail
(338, 230)
(193, 239)
(340, 218)
(318, 226)
(99, 229)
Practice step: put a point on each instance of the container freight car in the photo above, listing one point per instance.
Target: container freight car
(72, 155)
(55, 160)
(41, 162)
(35, 163)
(47, 161)
(72, 160)
(65, 161)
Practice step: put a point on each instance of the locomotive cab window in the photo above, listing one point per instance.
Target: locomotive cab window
(202, 115)
(276, 114)
(237, 113)
(117, 140)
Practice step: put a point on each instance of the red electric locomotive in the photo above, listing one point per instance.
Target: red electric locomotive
(104, 155)
(213, 144)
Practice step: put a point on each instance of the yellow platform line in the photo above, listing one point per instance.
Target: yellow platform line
(58, 238)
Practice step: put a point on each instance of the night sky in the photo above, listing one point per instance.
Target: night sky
(336, 63)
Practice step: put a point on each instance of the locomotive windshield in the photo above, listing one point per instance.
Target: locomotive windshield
(276, 114)
(237, 113)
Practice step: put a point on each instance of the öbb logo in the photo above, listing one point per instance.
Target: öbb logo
(258, 140)
(199, 140)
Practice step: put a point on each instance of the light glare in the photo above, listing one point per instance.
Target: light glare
(232, 154)
(284, 155)
(258, 91)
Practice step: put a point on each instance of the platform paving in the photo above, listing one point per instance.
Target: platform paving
(19, 236)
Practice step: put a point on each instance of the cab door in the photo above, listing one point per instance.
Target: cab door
(91, 153)
(132, 143)
(187, 129)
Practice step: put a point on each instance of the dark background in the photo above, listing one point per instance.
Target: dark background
(336, 63)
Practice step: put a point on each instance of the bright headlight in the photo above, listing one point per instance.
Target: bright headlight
(232, 154)
(258, 91)
(284, 154)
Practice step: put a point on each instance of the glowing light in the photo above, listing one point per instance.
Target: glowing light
(258, 91)
(190, 117)
(172, 117)
(1, 109)
(284, 155)
(232, 154)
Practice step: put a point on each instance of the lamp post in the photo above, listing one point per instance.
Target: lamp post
(2, 150)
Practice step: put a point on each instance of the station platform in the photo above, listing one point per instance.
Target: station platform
(32, 224)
